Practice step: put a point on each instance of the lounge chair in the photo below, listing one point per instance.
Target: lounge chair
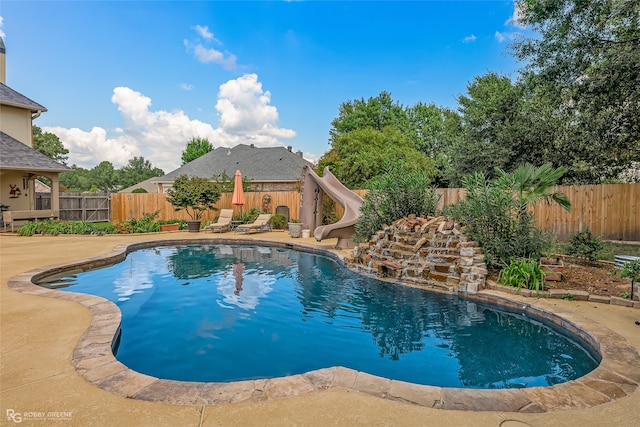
(260, 224)
(7, 219)
(224, 221)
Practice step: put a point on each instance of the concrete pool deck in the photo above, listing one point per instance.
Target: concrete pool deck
(38, 379)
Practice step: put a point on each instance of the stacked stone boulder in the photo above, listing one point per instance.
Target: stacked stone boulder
(429, 252)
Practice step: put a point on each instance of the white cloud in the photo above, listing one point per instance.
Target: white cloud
(516, 18)
(506, 36)
(2, 25)
(206, 54)
(204, 32)
(186, 86)
(244, 110)
(469, 39)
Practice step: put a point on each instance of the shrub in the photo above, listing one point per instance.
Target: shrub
(584, 244)
(493, 218)
(55, 227)
(146, 224)
(396, 194)
(523, 272)
(139, 190)
(251, 215)
(278, 221)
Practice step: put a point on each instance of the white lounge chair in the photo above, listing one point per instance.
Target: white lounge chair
(260, 224)
(224, 221)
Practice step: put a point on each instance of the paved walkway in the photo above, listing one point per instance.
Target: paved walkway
(38, 378)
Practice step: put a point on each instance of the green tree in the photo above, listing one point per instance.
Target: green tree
(360, 155)
(104, 177)
(491, 128)
(195, 195)
(376, 113)
(196, 147)
(137, 170)
(584, 58)
(49, 145)
(77, 180)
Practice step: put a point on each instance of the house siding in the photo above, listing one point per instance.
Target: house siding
(16, 122)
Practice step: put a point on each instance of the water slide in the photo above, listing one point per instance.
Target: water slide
(311, 210)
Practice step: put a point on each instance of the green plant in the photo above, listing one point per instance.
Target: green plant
(520, 273)
(294, 221)
(139, 190)
(569, 296)
(278, 221)
(399, 192)
(251, 215)
(584, 244)
(146, 224)
(493, 217)
(195, 195)
(625, 294)
(631, 270)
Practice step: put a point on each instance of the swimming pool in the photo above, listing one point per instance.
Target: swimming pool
(227, 313)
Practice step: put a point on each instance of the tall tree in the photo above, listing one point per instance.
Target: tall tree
(137, 170)
(104, 176)
(49, 145)
(376, 113)
(360, 155)
(196, 147)
(585, 59)
(491, 128)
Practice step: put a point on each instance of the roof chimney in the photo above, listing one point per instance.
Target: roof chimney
(252, 146)
(290, 148)
(3, 64)
(299, 153)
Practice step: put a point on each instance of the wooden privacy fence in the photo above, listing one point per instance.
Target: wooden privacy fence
(134, 205)
(92, 207)
(612, 211)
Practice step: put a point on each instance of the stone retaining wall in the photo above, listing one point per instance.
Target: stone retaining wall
(428, 252)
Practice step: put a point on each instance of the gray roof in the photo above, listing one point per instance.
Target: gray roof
(12, 98)
(271, 164)
(16, 155)
(147, 184)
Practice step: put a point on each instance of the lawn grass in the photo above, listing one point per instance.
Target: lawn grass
(610, 250)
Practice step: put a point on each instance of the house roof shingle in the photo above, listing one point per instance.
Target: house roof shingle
(271, 164)
(16, 155)
(12, 98)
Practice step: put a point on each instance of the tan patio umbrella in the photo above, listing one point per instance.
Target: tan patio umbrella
(238, 193)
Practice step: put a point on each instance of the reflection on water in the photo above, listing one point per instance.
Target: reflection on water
(225, 312)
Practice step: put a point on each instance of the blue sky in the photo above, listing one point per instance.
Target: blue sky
(123, 79)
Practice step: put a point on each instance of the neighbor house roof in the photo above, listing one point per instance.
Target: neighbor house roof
(16, 155)
(271, 164)
(12, 98)
(148, 184)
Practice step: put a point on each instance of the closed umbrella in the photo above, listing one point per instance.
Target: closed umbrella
(238, 193)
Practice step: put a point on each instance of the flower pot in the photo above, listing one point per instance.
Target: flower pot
(170, 227)
(295, 229)
(306, 234)
(193, 226)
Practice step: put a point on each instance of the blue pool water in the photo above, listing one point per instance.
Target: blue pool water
(227, 313)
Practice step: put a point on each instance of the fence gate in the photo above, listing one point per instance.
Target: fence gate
(92, 207)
